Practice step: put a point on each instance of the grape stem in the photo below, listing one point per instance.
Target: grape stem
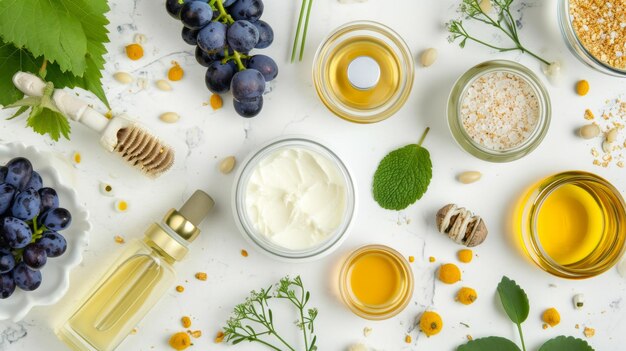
(228, 19)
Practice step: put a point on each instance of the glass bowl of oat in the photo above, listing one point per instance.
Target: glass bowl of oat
(499, 111)
(595, 32)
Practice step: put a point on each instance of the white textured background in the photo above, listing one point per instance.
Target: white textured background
(203, 137)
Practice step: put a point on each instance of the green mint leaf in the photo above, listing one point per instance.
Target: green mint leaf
(45, 121)
(13, 59)
(492, 343)
(514, 300)
(563, 343)
(402, 177)
(46, 28)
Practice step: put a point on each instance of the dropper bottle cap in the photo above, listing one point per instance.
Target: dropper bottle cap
(180, 227)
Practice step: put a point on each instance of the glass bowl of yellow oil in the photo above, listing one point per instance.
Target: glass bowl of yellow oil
(363, 72)
(572, 224)
(376, 282)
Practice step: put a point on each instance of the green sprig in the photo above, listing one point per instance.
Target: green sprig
(305, 13)
(503, 21)
(253, 320)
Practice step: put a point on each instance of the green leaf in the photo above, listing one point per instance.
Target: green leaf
(45, 121)
(12, 60)
(492, 343)
(402, 177)
(19, 111)
(514, 300)
(562, 343)
(46, 28)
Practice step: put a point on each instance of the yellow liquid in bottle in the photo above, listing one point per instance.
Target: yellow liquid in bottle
(337, 71)
(119, 303)
(570, 224)
(375, 279)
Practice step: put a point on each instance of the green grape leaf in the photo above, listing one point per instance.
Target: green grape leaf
(46, 28)
(562, 343)
(45, 121)
(514, 300)
(492, 343)
(12, 60)
(402, 177)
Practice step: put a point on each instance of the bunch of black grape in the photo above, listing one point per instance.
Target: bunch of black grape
(30, 218)
(224, 32)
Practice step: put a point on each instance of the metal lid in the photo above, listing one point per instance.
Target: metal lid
(181, 227)
(363, 72)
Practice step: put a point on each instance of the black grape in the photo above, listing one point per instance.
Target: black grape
(34, 256)
(190, 36)
(16, 233)
(26, 205)
(265, 65)
(35, 182)
(266, 34)
(3, 173)
(26, 278)
(247, 85)
(242, 36)
(49, 199)
(56, 219)
(196, 14)
(54, 243)
(7, 192)
(19, 171)
(173, 7)
(219, 76)
(7, 285)
(249, 10)
(212, 38)
(205, 59)
(7, 261)
(249, 108)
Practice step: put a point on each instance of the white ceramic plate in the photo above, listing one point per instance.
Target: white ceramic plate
(56, 272)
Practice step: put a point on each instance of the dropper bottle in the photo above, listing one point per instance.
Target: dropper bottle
(136, 282)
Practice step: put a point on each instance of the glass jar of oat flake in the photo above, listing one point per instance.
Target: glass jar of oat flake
(595, 32)
(499, 111)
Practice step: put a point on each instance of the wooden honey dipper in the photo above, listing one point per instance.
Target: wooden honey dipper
(120, 134)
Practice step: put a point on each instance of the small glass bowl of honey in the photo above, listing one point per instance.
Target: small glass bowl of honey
(363, 72)
(572, 224)
(376, 282)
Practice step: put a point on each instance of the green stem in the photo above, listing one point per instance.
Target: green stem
(271, 329)
(223, 13)
(521, 336)
(306, 29)
(534, 55)
(424, 136)
(297, 38)
(301, 308)
(237, 57)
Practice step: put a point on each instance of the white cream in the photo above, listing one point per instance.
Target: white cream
(296, 198)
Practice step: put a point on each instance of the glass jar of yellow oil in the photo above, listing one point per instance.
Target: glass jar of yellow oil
(363, 72)
(376, 282)
(572, 224)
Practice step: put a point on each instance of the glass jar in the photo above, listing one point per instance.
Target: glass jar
(389, 284)
(265, 244)
(585, 238)
(363, 72)
(576, 46)
(465, 141)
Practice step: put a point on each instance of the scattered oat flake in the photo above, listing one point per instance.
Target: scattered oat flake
(589, 115)
(411, 259)
(196, 333)
(408, 339)
(589, 332)
(201, 276)
(244, 253)
(216, 101)
(577, 326)
(431, 259)
(119, 239)
(469, 337)
(367, 331)
(134, 331)
(544, 326)
(180, 288)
